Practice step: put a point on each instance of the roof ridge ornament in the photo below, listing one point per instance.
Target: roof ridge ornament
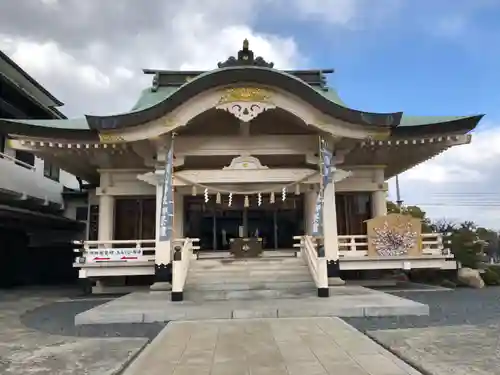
(245, 58)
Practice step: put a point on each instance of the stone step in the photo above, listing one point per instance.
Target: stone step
(267, 277)
(276, 285)
(247, 272)
(272, 266)
(223, 295)
(243, 266)
(248, 261)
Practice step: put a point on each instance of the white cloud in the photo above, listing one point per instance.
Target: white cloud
(102, 73)
(46, 59)
(350, 14)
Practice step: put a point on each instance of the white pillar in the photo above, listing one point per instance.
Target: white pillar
(330, 223)
(379, 204)
(106, 218)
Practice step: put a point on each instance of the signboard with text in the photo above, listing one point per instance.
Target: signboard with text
(114, 255)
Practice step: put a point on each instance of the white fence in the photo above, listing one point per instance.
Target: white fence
(355, 246)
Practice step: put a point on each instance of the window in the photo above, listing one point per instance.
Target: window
(50, 171)
(25, 158)
(81, 213)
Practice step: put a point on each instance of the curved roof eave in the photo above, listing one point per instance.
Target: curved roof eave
(235, 75)
(433, 125)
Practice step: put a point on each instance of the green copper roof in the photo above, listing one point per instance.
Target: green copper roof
(149, 97)
(426, 120)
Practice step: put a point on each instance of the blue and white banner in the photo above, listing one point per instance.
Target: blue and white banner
(326, 163)
(167, 202)
(317, 229)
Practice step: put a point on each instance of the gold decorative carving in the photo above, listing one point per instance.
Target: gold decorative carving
(394, 235)
(245, 94)
(110, 138)
(245, 103)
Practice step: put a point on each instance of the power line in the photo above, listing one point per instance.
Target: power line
(458, 204)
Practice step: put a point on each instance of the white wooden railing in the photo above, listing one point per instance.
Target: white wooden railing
(317, 263)
(17, 161)
(183, 253)
(125, 252)
(26, 179)
(355, 246)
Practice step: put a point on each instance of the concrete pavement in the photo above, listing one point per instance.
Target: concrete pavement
(294, 346)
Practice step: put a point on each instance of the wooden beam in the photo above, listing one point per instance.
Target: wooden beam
(254, 145)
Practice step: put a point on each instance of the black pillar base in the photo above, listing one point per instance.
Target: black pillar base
(86, 286)
(333, 267)
(177, 296)
(323, 292)
(163, 273)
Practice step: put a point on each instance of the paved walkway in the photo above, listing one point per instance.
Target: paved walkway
(344, 301)
(293, 346)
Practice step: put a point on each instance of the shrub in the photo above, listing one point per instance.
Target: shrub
(490, 277)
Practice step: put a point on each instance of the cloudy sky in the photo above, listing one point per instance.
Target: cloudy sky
(421, 57)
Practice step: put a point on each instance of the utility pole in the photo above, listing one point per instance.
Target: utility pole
(399, 202)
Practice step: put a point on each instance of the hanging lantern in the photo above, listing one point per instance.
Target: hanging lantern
(218, 198)
(259, 199)
(205, 194)
(283, 194)
(297, 189)
(193, 191)
(230, 201)
(271, 197)
(247, 201)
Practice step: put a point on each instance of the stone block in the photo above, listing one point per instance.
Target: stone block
(415, 308)
(251, 314)
(107, 317)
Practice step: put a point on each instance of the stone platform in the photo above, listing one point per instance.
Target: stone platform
(313, 346)
(344, 301)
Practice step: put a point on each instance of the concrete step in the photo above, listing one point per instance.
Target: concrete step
(247, 272)
(223, 295)
(267, 277)
(276, 285)
(247, 261)
(256, 266)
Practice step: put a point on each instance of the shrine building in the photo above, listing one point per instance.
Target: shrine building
(245, 140)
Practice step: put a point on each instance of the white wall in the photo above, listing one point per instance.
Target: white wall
(32, 182)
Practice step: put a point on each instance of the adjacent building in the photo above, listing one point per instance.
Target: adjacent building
(34, 232)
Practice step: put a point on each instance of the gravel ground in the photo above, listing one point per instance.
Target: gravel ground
(37, 336)
(454, 307)
(461, 336)
(58, 318)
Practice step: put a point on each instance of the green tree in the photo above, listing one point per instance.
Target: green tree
(413, 211)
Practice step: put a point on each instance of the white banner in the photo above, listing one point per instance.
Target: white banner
(113, 255)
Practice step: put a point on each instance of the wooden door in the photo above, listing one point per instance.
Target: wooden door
(135, 218)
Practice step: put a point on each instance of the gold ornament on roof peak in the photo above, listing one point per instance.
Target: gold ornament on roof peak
(245, 94)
